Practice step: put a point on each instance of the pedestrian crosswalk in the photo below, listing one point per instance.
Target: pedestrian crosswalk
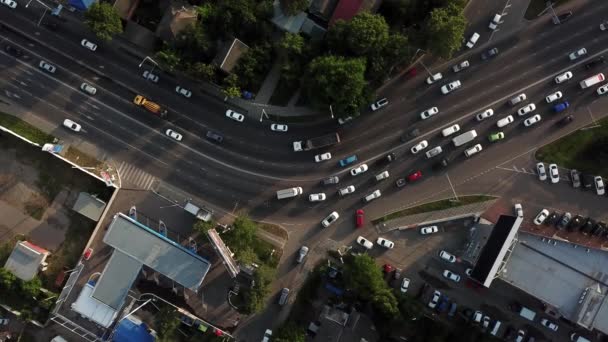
(133, 177)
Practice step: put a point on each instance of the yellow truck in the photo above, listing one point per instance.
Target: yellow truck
(152, 107)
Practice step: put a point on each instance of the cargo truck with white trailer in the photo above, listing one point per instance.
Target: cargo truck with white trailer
(464, 138)
(288, 193)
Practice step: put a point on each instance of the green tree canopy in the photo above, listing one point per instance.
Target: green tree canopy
(445, 30)
(168, 59)
(203, 226)
(363, 276)
(242, 235)
(30, 288)
(103, 19)
(292, 44)
(336, 81)
(362, 35)
(290, 332)
(193, 43)
(386, 304)
(202, 71)
(253, 66)
(7, 280)
(167, 323)
(293, 7)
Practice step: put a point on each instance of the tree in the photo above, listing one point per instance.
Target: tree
(445, 30)
(253, 66)
(231, 88)
(363, 276)
(103, 19)
(293, 7)
(166, 324)
(192, 43)
(7, 280)
(292, 44)
(290, 332)
(255, 296)
(168, 59)
(203, 71)
(203, 227)
(385, 303)
(363, 35)
(336, 81)
(242, 234)
(30, 288)
(248, 256)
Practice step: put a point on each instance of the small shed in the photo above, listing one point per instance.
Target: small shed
(229, 55)
(26, 260)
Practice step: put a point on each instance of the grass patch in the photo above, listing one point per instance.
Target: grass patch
(24, 129)
(435, 206)
(582, 150)
(35, 206)
(536, 6)
(76, 156)
(274, 230)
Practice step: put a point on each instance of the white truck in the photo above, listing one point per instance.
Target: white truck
(527, 313)
(288, 193)
(595, 79)
(318, 142)
(464, 138)
(201, 213)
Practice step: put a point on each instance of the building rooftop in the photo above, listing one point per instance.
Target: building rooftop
(89, 206)
(25, 260)
(116, 280)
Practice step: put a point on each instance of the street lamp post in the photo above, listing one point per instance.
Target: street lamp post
(331, 112)
(154, 64)
(427, 69)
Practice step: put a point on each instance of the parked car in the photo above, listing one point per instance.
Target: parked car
(562, 18)
(375, 194)
(548, 324)
(588, 227)
(496, 136)
(485, 114)
(526, 109)
(451, 276)
(331, 180)
(365, 242)
(359, 218)
(596, 62)
(348, 160)
(434, 78)
(554, 173)
(461, 66)
(322, 157)
(552, 219)
(532, 120)
(320, 197)
(599, 185)
(414, 176)
(563, 222)
(588, 180)
(331, 218)
(540, 170)
(434, 299)
(419, 146)
(385, 243)
(87, 254)
(504, 121)
(576, 223)
(477, 316)
(302, 254)
(9, 3)
(379, 104)
(519, 211)
(234, 115)
(575, 176)
(447, 256)
(541, 217)
(429, 230)
(405, 284)
(554, 96)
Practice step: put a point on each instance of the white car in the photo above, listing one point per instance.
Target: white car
(173, 134)
(485, 114)
(576, 54)
(317, 197)
(451, 276)
(474, 38)
(461, 66)
(9, 3)
(348, 190)
(373, 195)
(235, 116)
(385, 243)
(599, 185)
(433, 152)
(87, 88)
(447, 256)
(322, 157)
(602, 90)
(450, 87)
(429, 230)
(359, 169)
(379, 104)
(468, 271)
(505, 121)
(48, 67)
(532, 120)
(519, 210)
(604, 26)
(473, 150)
(555, 96)
(486, 322)
(526, 109)
(477, 316)
(365, 242)
(517, 99)
(419, 146)
(540, 170)
(548, 324)
(331, 218)
(267, 335)
(150, 76)
(495, 21)
(278, 128)
(553, 173)
(428, 113)
(89, 45)
(435, 299)
(183, 91)
(72, 125)
(405, 284)
(342, 121)
(563, 77)
(434, 78)
(450, 130)
(541, 217)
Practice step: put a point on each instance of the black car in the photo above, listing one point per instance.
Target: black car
(596, 62)
(563, 222)
(215, 137)
(552, 219)
(576, 223)
(13, 50)
(400, 183)
(493, 52)
(331, 180)
(51, 25)
(566, 120)
(575, 176)
(563, 17)
(390, 157)
(443, 163)
(410, 135)
(588, 227)
(588, 180)
(599, 229)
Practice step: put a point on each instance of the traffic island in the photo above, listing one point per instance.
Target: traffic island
(437, 211)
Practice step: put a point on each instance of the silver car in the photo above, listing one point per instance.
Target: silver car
(302, 254)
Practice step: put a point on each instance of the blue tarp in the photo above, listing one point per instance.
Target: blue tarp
(335, 290)
(129, 331)
(81, 5)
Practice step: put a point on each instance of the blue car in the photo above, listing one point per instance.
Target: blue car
(348, 160)
(560, 107)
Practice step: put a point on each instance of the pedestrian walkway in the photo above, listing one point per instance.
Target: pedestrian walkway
(132, 177)
(411, 221)
(269, 84)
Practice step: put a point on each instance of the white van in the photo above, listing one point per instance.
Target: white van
(473, 150)
(495, 328)
(464, 138)
(474, 38)
(287, 193)
(495, 21)
(595, 79)
(59, 338)
(578, 338)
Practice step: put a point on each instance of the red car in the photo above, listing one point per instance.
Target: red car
(414, 176)
(87, 254)
(387, 268)
(359, 217)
